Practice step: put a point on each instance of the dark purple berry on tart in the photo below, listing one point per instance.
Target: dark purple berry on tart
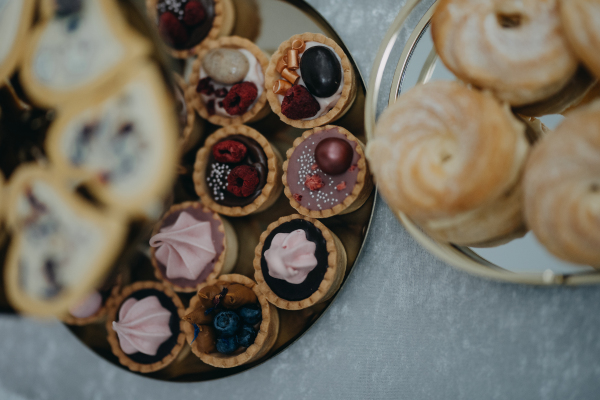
(321, 71)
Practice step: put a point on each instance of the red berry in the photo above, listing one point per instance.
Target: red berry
(205, 87)
(341, 186)
(314, 182)
(298, 103)
(221, 92)
(172, 30)
(194, 13)
(229, 151)
(240, 98)
(297, 197)
(243, 181)
(352, 168)
(210, 107)
(314, 167)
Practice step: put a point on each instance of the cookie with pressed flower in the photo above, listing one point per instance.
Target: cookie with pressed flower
(237, 172)
(230, 322)
(184, 25)
(192, 245)
(144, 325)
(15, 22)
(228, 76)
(310, 81)
(326, 173)
(62, 247)
(299, 262)
(78, 49)
(190, 127)
(123, 145)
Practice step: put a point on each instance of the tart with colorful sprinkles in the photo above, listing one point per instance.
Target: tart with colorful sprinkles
(230, 322)
(310, 81)
(237, 172)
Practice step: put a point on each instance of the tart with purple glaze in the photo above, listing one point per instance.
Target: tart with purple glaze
(237, 172)
(310, 81)
(192, 245)
(299, 262)
(229, 78)
(326, 173)
(230, 322)
(144, 325)
(184, 25)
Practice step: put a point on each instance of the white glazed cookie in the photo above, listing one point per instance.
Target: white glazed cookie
(15, 21)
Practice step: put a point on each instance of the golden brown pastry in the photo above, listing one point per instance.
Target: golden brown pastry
(451, 158)
(581, 21)
(562, 188)
(514, 48)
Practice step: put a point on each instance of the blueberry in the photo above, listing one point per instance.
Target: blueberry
(251, 313)
(226, 344)
(226, 323)
(245, 337)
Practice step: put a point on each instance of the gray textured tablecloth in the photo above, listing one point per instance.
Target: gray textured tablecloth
(405, 325)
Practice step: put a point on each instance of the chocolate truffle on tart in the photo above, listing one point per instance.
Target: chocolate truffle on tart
(326, 173)
(184, 25)
(310, 81)
(228, 76)
(144, 325)
(299, 262)
(237, 172)
(15, 21)
(230, 322)
(192, 245)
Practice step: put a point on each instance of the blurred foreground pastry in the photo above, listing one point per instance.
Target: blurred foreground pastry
(451, 158)
(562, 188)
(581, 21)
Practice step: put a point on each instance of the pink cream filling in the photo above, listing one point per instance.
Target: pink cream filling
(88, 307)
(291, 256)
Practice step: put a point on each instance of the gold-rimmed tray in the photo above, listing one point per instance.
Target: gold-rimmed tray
(407, 57)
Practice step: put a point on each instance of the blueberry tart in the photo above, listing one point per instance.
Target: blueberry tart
(310, 81)
(228, 81)
(15, 21)
(237, 172)
(299, 262)
(144, 325)
(230, 322)
(326, 173)
(192, 245)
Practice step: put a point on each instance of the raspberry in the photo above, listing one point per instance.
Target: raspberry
(221, 92)
(352, 168)
(341, 186)
(194, 13)
(210, 107)
(240, 97)
(172, 30)
(229, 151)
(298, 197)
(298, 103)
(242, 181)
(314, 167)
(314, 182)
(205, 87)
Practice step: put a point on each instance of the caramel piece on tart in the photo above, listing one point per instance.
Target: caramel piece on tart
(299, 262)
(326, 173)
(237, 172)
(318, 87)
(192, 245)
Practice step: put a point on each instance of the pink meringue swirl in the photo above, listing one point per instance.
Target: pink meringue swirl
(291, 256)
(88, 307)
(143, 325)
(186, 248)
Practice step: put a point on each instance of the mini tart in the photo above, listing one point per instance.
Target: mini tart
(265, 339)
(13, 32)
(270, 191)
(101, 313)
(258, 110)
(580, 23)
(332, 276)
(193, 128)
(349, 86)
(222, 25)
(224, 263)
(171, 348)
(355, 199)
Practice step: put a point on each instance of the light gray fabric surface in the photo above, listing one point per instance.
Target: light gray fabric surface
(405, 325)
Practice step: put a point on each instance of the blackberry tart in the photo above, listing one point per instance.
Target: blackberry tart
(230, 322)
(237, 172)
(229, 80)
(192, 245)
(184, 25)
(326, 173)
(144, 325)
(310, 81)
(299, 262)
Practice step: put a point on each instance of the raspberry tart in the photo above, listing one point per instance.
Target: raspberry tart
(237, 172)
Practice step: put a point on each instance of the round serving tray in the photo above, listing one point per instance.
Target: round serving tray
(277, 21)
(407, 57)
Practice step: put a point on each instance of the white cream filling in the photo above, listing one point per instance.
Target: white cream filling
(254, 75)
(326, 103)
(10, 16)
